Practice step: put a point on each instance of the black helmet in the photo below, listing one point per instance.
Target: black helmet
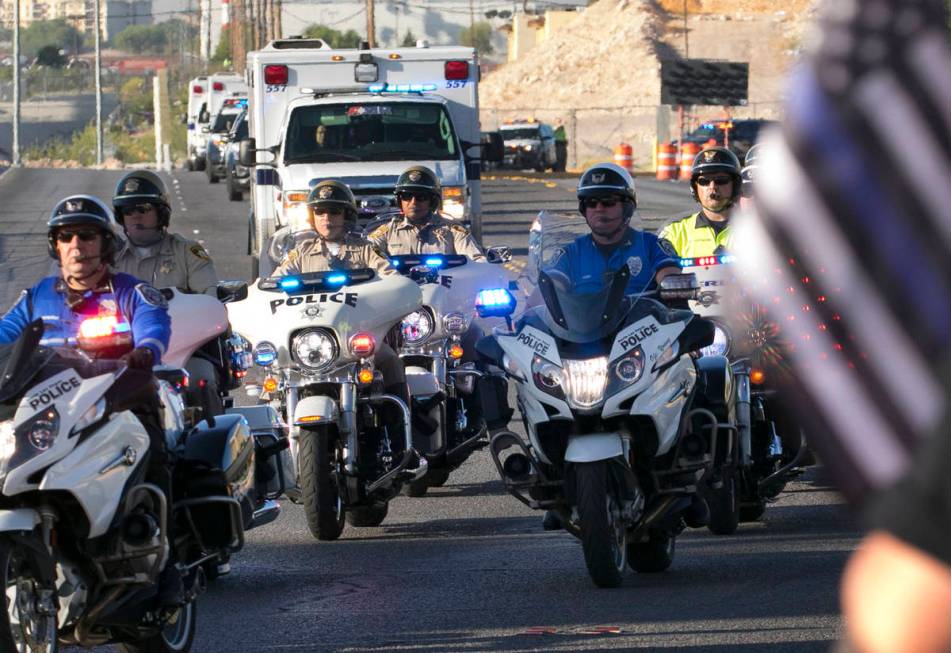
(331, 193)
(420, 179)
(716, 159)
(142, 187)
(752, 155)
(750, 170)
(607, 179)
(82, 210)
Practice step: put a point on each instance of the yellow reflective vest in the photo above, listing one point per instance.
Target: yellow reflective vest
(693, 236)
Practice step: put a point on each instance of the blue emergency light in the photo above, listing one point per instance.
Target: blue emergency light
(434, 262)
(336, 279)
(495, 302)
(401, 88)
(289, 283)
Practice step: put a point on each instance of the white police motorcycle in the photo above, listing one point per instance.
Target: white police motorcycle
(315, 335)
(751, 341)
(83, 536)
(616, 410)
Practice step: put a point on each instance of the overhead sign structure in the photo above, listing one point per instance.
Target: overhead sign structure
(690, 82)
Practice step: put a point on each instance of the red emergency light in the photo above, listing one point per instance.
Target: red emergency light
(275, 75)
(457, 69)
(198, 89)
(218, 86)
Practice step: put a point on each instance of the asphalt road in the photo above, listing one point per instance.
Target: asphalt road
(468, 568)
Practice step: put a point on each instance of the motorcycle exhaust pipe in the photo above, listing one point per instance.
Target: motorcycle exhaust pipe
(517, 468)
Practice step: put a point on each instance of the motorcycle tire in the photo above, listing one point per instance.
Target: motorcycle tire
(724, 506)
(417, 489)
(368, 516)
(319, 492)
(653, 556)
(12, 565)
(176, 637)
(604, 543)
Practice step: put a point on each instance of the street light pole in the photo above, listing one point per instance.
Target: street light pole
(98, 42)
(16, 84)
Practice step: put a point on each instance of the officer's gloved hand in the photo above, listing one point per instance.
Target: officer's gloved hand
(140, 358)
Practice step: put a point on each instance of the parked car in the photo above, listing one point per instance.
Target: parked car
(529, 144)
(237, 176)
(742, 134)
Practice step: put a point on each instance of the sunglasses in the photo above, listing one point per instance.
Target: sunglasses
(328, 211)
(138, 209)
(606, 202)
(85, 235)
(407, 197)
(719, 181)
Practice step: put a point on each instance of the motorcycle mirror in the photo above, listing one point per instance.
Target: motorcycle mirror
(498, 254)
(233, 290)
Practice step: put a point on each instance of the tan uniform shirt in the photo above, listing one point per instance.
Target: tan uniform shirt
(173, 262)
(317, 255)
(438, 236)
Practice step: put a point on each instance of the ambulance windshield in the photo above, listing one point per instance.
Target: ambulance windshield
(376, 131)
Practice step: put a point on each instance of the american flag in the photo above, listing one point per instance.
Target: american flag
(851, 248)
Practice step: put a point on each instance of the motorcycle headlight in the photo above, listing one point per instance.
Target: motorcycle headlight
(527, 148)
(586, 381)
(314, 349)
(548, 377)
(417, 327)
(721, 343)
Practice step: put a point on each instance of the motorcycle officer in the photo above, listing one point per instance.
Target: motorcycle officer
(331, 209)
(715, 183)
(81, 240)
(422, 230)
(151, 253)
(748, 175)
(166, 260)
(607, 200)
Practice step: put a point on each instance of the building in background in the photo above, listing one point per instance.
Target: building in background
(115, 15)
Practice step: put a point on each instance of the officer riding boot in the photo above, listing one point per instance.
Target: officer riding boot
(552, 521)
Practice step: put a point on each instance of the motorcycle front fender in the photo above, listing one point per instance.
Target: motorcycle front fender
(593, 447)
(21, 519)
(316, 410)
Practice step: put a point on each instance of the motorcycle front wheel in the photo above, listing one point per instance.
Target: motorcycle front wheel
(22, 628)
(603, 533)
(368, 516)
(724, 504)
(320, 495)
(177, 636)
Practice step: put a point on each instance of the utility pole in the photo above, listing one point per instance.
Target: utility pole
(239, 34)
(371, 25)
(471, 22)
(16, 84)
(686, 40)
(98, 68)
(278, 19)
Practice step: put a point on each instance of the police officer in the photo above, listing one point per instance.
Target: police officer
(607, 200)
(81, 239)
(748, 175)
(421, 229)
(715, 183)
(331, 209)
(151, 253)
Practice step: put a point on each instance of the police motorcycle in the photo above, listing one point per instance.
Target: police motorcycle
(446, 417)
(83, 537)
(771, 449)
(617, 411)
(315, 335)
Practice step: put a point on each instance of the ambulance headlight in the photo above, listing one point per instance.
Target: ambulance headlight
(454, 202)
(314, 349)
(296, 213)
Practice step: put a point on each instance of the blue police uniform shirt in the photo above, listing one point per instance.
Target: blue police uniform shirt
(585, 263)
(129, 299)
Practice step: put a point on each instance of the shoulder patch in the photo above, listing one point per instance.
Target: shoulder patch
(151, 295)
(667, 248)
(199, 252)
(459, 229)
(380, 231)
(292, 255)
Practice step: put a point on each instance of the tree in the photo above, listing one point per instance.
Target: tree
(478, 37)
(223, 51)
(49, 56)
(334, 38)
(409, 40)
(150, 39)
(57, 32)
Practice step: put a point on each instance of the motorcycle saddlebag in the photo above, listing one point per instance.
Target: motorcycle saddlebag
(494, 397)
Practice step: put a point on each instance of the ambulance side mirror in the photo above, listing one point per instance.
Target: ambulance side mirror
(247, 153)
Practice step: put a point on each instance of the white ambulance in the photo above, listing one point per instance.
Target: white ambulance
(362, 116)
(206, 96)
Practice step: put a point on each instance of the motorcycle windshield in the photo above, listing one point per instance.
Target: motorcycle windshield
(278, 246)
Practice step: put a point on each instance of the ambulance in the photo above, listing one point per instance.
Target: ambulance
(206, 96)
(362, 116)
